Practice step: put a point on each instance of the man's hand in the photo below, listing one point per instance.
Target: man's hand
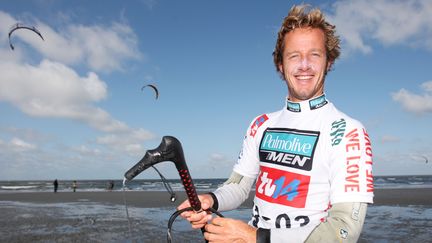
(198, 219)
(229, 230)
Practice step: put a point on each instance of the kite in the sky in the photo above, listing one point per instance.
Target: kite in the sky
(21, 26)
(420, 158)
(154, 88)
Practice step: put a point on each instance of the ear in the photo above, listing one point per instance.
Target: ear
(280, 68)
(329, 66)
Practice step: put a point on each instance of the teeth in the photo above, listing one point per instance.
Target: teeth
(304, 77)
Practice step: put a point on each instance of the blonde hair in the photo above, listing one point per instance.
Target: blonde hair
(298, 18)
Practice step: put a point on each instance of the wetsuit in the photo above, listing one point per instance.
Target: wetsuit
(305, 158)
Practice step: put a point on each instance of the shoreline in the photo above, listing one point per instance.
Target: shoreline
(100, 216)
(156, 199)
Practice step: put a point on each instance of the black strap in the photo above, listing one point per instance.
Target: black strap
(263, 235)
(215, 201)
(177, 213)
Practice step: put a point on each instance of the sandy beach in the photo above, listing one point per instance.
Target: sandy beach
(151, 199)
(101, 217)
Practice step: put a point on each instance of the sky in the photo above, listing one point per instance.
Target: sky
(72, 107)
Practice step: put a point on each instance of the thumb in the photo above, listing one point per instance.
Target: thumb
(205, 205)
(184, 204)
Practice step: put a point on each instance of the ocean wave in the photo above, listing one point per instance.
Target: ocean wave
(380, 182)
(18, 187)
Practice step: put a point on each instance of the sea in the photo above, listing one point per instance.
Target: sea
(385, 182)
(85, 221)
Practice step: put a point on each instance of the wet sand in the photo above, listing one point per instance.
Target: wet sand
(101, 216)
(151, 199)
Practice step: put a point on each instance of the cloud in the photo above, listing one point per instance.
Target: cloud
(415, 103)
(105, 48)
(129, 142)
(86, 151)
(217, 157)
(217, 165)
(394, 162)
(26, 134)
(389, 139)
(36, 157)
(47, 85)
(20, 145)
(149, 3)
(7, 21)
(100, 47)
(52, 89)
(427, 86)
(388, 21)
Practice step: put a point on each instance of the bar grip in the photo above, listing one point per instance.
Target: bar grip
(190, 189)
(170, 149)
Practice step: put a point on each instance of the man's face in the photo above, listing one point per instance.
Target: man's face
(304, 63)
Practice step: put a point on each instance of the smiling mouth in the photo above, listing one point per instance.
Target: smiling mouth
(304, 77)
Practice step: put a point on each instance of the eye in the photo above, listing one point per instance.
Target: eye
(316, 54)
(293, 56)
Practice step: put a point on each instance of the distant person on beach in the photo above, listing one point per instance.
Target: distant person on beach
(110, 185)
(312, 164)
(55, 183)
(74, 186)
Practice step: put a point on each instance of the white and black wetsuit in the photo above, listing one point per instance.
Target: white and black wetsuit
(305, 157)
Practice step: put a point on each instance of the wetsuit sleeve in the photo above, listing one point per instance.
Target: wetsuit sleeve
(350, 161)
(234, 192)
(343, 224)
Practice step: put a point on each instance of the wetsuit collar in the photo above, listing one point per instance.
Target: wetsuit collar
(307, 105)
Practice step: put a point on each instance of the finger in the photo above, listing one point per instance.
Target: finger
(214, 228)
(208, 236)
(205, 205)
(198, 226)
(195, 216)
(218, 221)
(212, 237)
(184, 204)
(186, 214)
(201, 223)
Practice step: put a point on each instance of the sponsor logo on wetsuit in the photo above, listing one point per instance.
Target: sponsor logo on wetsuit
(313, 104)
(337, 131)
(282, 187)
(257, 123)
(317, 102)
(294, 107)
(288, 147)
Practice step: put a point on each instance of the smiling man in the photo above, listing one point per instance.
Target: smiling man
(312, 164)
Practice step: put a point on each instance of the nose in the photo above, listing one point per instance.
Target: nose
(304, 63)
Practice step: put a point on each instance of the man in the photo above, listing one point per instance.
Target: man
(312, 163)
(74, 186)
(55, 183)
